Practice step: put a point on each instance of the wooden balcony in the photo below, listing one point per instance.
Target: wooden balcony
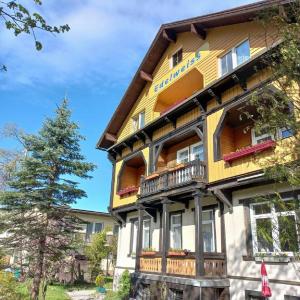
(174, 177)
(214, 265)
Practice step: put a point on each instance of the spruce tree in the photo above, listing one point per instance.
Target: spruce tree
(41, 190)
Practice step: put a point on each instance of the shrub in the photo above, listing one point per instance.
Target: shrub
(8, 287)
(125, 285)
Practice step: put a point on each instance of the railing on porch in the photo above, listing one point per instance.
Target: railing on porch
(214, 265)
(194, 170)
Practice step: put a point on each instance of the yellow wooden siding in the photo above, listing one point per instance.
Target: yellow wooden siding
(117, 200)
(219, 40)
(188, 117)
(219, 170)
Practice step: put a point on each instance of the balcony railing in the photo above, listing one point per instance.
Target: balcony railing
(214, 265)
(179, 175)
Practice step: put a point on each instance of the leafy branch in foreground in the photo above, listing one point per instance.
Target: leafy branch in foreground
(277, 115)
(20, 20)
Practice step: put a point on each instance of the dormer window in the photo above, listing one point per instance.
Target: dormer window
(176, 58)
(234, 57)
(138, 121)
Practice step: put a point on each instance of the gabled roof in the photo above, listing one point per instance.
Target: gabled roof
(161, 42)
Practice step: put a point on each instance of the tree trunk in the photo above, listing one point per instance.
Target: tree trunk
(38, 270)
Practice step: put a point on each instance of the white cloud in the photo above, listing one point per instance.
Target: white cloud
(106, 43)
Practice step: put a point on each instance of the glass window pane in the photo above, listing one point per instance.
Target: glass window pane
(197, 152)
(207, 215)
(226, 63)
(146, 234)
(287, 205)
(288, 234)
(229, 62)
(175, 231)
(183, 156)
(134, 236)
(98, 227)
(260, 209)
(264, 235)
(285, 133)
(207, 230)
(243, 52)
(141, 120)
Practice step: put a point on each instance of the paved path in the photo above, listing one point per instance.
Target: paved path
(85, 295)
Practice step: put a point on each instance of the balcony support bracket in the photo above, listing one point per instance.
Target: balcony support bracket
(224, 197)
(241, 81)
(200, 105)
(215, 95)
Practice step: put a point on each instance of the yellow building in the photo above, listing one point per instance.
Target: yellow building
(186, 165)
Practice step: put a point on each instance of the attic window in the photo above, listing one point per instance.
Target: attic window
(138, 121)
(177, 57)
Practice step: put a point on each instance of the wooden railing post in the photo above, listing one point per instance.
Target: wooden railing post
(165, 234)
(139, 238)
(199, 252)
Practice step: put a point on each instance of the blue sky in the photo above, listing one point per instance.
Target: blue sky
(93, 64)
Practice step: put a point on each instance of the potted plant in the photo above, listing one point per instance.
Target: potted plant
(178, 252)
(148, 251)
(100, 281)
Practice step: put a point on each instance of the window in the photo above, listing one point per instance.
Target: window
(284, 133)
(274, 227)
(146, 234)
(138, 121)
(175, 231)
(176, 58)
(197, 152)
(98, 227)
(193, 152)
(258, 138)
(133, 241)
(176, 294)
(208, 230)
(253, 295)
(183, 155)
(89, 231)
(234, 57)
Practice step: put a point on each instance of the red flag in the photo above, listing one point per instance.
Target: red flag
(265, 288)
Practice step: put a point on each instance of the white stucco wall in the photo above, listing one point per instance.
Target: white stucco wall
(250, 270)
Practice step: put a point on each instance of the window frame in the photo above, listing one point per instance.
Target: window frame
(102, 227)
(149, 233)
(133, 239)
(255, 138)
(136, 121)
(273, 216)
(193, 146)
(212, 221)
(181, 151)
(233, 57)
(171, 65)
(172, 215)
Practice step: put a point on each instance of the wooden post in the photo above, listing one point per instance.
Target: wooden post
(165, 234)
(139, 238)
(223, 235)
(199, 255)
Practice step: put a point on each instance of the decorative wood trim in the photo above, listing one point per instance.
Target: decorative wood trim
(199, 252)
(169, 35)
(213, 93)
(199, 31)
(146, 76)
(242, 82)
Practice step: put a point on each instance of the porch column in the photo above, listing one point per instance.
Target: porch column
(139, 241)
(198, 196)
(165, 234)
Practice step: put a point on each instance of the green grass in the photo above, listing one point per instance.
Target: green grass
(54, 292)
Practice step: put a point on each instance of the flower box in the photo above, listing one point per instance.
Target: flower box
(249, 150)
(148, 253)
(128, 190)
(177, 253)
